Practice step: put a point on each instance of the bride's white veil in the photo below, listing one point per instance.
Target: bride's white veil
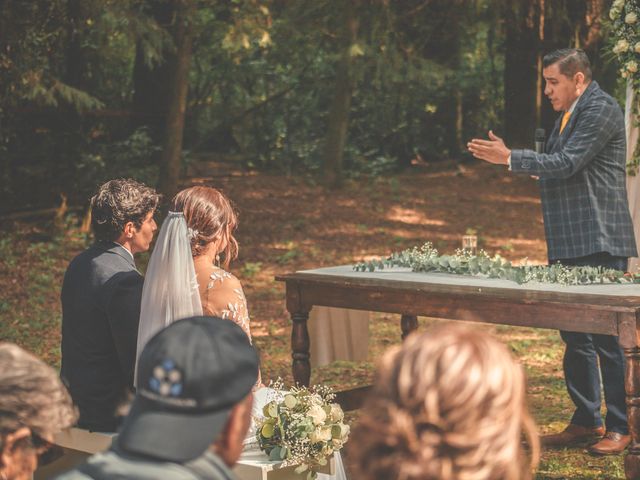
(170, 290)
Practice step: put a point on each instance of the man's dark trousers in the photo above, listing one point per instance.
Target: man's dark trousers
(583, 350)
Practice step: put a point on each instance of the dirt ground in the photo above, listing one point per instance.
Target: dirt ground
(289, 224)
(292, 223)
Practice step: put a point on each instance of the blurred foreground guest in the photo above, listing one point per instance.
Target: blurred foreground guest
(34, 406)
(192, 407)
(101, 297)
(449, 404)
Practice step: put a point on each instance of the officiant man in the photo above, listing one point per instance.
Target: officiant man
(587, 223)
(101, 296)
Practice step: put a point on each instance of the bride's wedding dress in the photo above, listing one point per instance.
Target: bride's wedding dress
(174, 288)
(222, 296)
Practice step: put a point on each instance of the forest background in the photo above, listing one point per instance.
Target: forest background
(93, 89)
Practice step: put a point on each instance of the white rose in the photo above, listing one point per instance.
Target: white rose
(631, 18)
(636, 47)
(327, 450)
(622, 45)
(632, 66)
(317, 414)
(336, 413)
(290, 401)
(624, 74)
(320, 434)
(619, 4)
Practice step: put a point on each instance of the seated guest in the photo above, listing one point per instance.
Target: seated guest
(34, 406)
(448, 404)
(101, 296)
(192, 407)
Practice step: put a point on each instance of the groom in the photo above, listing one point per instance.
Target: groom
(101, 296)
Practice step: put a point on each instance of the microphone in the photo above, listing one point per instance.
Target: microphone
(539, 140)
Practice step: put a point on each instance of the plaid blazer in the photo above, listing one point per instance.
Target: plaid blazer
(583, 180)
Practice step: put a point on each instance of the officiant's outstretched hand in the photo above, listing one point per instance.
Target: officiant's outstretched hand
(493, 150)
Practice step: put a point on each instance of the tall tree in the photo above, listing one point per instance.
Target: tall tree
(152, 69)
(338, 123)
(170, 159)
(520, 71)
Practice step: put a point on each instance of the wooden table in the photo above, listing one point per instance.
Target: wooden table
(605, 309)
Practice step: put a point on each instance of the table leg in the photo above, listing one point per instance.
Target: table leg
(300, 348)
(408, 323)
(632, 388)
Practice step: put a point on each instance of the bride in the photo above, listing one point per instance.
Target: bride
(187, 275)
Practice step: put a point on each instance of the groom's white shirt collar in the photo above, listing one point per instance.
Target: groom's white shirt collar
(125, 248)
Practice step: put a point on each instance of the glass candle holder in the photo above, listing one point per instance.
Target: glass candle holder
(470, 243)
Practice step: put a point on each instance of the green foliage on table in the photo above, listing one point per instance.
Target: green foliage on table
(427, 259)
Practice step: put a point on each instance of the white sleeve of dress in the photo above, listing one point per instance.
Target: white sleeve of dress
(225, 298)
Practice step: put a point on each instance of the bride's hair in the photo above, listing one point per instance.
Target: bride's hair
(210, 216)
(449, 404)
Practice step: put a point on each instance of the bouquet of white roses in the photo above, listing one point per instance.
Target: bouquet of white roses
(302, 427)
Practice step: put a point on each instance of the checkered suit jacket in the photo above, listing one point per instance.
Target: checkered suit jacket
(582, 181)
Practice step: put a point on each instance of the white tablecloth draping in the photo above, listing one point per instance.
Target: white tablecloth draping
(338, 334)
(633, 183)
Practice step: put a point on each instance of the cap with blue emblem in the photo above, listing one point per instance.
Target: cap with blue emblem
(190, 376)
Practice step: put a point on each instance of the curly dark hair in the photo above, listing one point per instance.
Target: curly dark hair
(119, 202)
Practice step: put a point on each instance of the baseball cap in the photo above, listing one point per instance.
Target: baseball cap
(190, 376)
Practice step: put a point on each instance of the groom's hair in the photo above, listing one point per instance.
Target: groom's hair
(119, 202)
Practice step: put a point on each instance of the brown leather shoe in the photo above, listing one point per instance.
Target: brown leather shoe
(572, 435)
(612, 443)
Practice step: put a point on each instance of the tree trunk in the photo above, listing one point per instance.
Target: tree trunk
(152, 83)
(539, 80)
(520, 73)
(170, 160)
(338, 126)
(75, 58)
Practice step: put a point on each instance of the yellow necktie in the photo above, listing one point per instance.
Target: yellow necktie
(565, 119)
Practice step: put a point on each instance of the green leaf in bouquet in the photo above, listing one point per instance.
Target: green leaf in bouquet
(301, 468)
(284, 453)
(267, 430)
(270, 410)
(274, 455)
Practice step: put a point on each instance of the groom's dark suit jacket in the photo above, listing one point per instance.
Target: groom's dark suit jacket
(101, 297)
(582, 181)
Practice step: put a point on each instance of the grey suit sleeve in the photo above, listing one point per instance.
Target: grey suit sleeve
(595, 126)
(123, 313)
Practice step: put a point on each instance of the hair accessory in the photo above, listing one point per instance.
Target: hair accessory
(192, 232)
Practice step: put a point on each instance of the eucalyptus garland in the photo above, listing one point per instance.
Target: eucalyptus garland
(463, 262)
(625, 38)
